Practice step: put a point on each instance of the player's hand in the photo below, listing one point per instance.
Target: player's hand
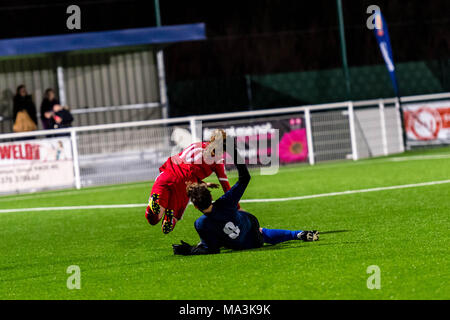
(218, 135)
(212, 185)
(217, 143)
(184, 248)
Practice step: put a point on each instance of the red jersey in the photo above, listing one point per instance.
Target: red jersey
(190, 165)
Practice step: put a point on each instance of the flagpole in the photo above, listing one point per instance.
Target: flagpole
(402, 117)
(382, 36)
(344, 49)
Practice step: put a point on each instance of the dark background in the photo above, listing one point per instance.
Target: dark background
(251, 36)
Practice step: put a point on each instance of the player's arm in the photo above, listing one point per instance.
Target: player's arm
(209, 243)
(232, 196)
(219, 169)
(223, 179)
(244, 175)
(186, 249)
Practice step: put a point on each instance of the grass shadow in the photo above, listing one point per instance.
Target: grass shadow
(280, 246)
(333, 231)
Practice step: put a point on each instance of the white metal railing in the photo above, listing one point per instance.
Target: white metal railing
(351, 109)
(138, 106)
(231, 115)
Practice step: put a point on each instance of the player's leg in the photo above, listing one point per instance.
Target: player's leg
(274, 236)
(154, 211)
(177, 203)
(158, 200)
(171, 214)
(161, 202)
(181, 199)
(169, 221)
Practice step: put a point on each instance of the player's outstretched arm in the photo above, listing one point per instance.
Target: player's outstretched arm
(232, 197)
(186, 249)
(219, 169)
(244, 175)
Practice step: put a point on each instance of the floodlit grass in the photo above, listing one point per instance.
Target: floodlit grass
(403, 231)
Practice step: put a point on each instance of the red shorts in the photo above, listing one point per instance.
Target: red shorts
(171, 193)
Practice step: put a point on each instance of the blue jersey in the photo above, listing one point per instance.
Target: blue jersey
(225, 225)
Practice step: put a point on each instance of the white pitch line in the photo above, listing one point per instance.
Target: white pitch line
(312, 196)
(341, 193)
(72, 192)
(112, 206)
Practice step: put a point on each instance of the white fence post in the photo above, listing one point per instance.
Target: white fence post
(76, 164)
(61, 85)
(162, 84)
(383, 127)
(351, 119)
(195, 125)
(309, 136)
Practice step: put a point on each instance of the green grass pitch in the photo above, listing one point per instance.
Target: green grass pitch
(403, 231)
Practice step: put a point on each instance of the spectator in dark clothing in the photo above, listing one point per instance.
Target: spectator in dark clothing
(23, 102)
(59, 117)
(47, 106)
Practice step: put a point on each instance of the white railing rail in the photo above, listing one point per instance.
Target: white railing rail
(229, 115)
(137, 106)
(87, 110)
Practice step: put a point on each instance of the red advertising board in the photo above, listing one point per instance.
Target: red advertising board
(427, 123)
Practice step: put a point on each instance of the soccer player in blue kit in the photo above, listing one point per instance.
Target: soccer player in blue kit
(224, 225)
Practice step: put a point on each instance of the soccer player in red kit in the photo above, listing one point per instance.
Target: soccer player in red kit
(168, 197)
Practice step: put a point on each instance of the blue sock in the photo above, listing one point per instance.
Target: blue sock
(274, 236)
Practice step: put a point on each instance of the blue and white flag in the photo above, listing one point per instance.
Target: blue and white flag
(382, 35)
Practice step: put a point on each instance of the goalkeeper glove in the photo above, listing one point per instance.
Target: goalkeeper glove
(184, 248)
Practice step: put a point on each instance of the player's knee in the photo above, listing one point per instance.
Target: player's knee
(198, 224)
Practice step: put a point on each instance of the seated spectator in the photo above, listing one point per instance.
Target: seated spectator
(24, 111)
(59, 117)
(47, 105)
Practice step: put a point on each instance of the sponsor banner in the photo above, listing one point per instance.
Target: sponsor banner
(427, 123)
(36, 164)
(382, 36)
(256, 136)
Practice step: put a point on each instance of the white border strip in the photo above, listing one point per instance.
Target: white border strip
(331, 194)
(424, 157)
